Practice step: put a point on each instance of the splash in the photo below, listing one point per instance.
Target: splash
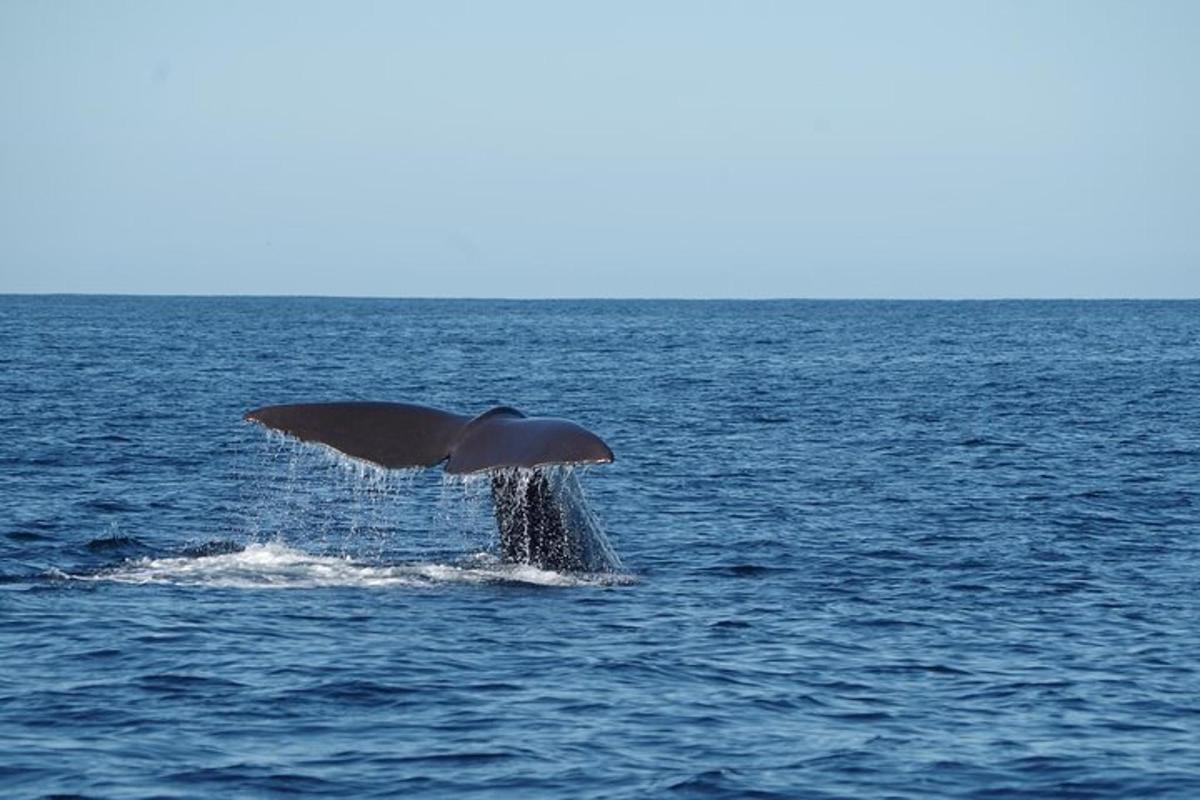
(323, 501)
(275, 565)
(545, 517)
(314, 517)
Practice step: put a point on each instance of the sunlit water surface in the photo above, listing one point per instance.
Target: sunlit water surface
(902, 550)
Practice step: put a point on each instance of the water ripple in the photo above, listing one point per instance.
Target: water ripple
(906, 550)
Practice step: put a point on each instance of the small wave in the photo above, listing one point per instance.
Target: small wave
(114, 542)
(109, 506)
(987, 441)
(744, 570)
(214, 547)
(28, 536)
(275, 565)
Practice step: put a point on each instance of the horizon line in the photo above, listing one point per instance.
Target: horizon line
(629, 298)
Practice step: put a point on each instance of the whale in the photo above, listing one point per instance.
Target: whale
(538, 505)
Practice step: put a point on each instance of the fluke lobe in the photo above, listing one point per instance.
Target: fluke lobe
(538, 510)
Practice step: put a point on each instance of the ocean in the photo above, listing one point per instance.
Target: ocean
(866, 549)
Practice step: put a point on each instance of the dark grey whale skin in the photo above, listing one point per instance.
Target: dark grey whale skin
(530, 513)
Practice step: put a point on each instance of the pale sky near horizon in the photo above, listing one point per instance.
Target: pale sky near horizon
(640, 149)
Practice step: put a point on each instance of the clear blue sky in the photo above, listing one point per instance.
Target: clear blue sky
(680, 149)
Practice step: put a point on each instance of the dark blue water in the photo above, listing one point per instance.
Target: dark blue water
(902, 550)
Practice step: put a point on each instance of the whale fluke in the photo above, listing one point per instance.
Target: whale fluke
(391, 435)
(400, 435)
(538, 511)
(504, 437)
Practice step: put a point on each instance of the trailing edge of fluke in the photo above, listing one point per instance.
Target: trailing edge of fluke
(405, 435)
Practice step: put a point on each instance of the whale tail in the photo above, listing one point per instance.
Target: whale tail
(539, 512)
(404, 435)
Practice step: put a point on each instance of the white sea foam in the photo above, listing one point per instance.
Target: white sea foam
(275, 565)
